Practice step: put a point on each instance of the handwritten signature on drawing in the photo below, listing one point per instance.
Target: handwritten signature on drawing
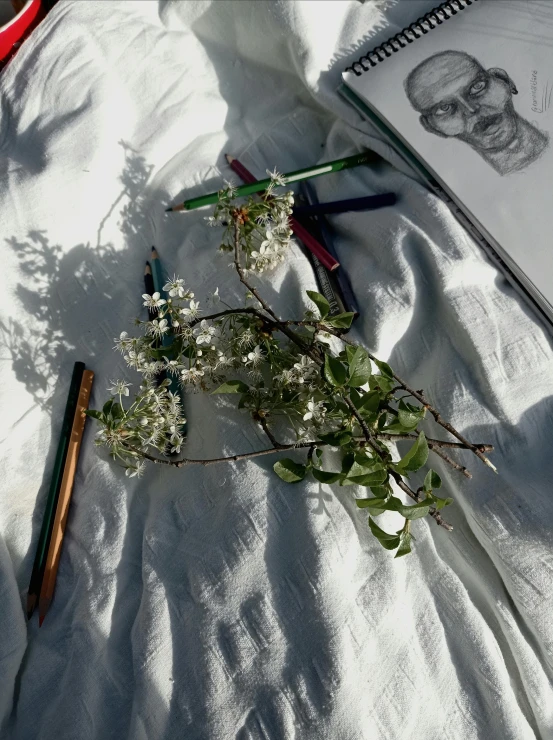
(541, 100)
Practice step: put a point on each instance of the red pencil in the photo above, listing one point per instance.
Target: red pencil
(310, 242)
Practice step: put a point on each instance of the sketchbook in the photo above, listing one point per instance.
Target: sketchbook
(464, 95)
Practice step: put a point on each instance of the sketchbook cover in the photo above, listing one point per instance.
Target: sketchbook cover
(472, 99)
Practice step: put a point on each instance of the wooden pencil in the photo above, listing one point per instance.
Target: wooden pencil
(255, 187)
(53, 493)
(315, 247)
(62, 509)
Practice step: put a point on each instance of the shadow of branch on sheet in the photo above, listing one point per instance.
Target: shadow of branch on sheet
(71, 304)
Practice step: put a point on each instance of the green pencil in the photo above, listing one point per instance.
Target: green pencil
(256, 187)
(55, 484)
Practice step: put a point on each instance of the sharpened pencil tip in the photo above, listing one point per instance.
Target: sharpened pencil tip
(229, 158)
(31, 603)
(41, 620)
(155, 255)
(168, 209)
(147, 269)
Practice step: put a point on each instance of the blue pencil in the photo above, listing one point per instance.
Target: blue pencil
(167, 340)
(367, 203)
(340, 275)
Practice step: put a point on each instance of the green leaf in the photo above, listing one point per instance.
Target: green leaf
(365, 479)
(232, 386)
(378, 505)
(396, 428)
(359, 366)
(432, 481)
(367, 463)
(389, 541)
(368, 403)
(385, 369)
(383, 382)
(417, 511)
(324, 476)
(289, 471)
(95, 414)
(441, 502)
(336, 439)
(117, 411)
(335, 372)
(106, 410)
(341, 320)
(381, 491)
(347, 462)
(404, 544)
(320, 301)
(416, 457)
(409, 416)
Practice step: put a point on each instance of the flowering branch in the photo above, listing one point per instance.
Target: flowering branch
(341, 406)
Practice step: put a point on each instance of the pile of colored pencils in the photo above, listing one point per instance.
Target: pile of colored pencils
(308, 222)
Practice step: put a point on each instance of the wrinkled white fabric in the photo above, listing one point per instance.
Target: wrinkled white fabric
(220, 602)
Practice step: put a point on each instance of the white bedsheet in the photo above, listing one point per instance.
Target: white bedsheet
(217, 603)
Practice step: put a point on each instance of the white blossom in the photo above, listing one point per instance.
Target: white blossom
(172, 366)
(118, 387)
(276, 177)
(175, 287)
(192, 311)
(315, 411)
(123, 343)
(223, 359)
(255, 356)
(191, 375)
(214, 298)
(157, 328)
(135, 470)
(230, 189)
(305, 369)
(204, 333)
(245, 339)
(153, 301)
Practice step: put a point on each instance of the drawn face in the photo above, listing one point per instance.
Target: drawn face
(457, 97)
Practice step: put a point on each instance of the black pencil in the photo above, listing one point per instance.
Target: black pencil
(367, 203)
(55, 485)
(149, 288)
(323, 276)
(342, 280)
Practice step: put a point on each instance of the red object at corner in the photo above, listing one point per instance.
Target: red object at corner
(13, 32)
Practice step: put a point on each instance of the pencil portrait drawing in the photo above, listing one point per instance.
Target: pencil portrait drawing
(458, 98)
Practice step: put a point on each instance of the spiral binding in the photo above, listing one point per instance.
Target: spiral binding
(415, 30)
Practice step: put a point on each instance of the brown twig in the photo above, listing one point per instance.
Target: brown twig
(263, 421)
(435, 442)
(396, 476)
(281, 325)
(434, 513)
(232, 458)
(420, 397)
(448, 460)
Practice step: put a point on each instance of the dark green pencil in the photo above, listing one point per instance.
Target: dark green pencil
(250, 188)
(167, 339)
(53, 493)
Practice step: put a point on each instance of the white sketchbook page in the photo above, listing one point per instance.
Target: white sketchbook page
(515, 36)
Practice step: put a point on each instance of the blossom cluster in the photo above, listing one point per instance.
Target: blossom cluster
(266, 234)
